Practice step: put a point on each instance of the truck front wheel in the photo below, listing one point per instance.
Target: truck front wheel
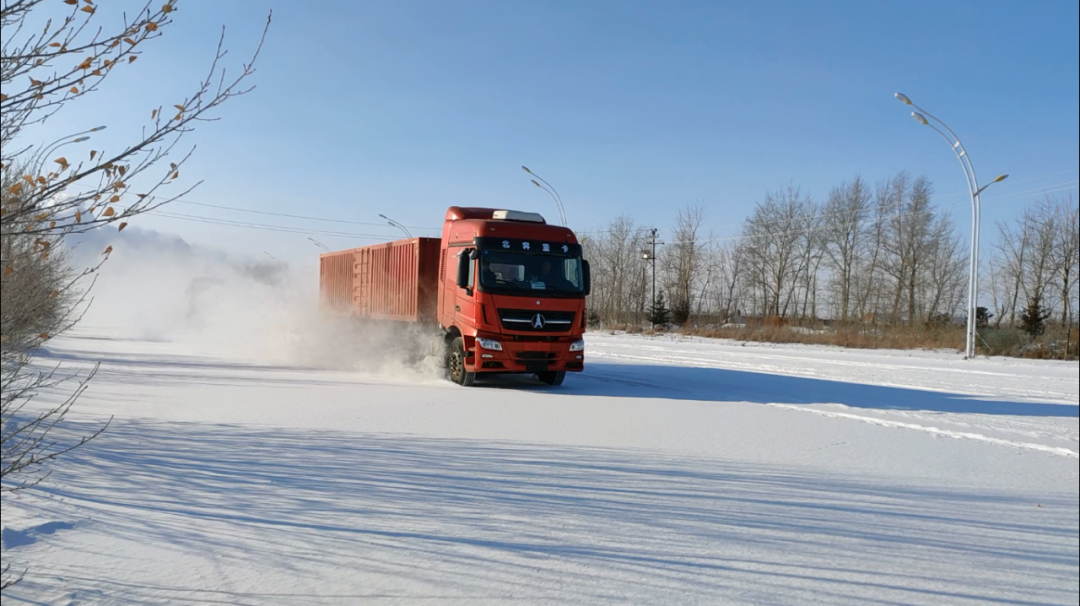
(552, 378)
(456, 364)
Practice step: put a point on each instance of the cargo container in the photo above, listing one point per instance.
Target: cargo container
(506, 290)
(396, 281)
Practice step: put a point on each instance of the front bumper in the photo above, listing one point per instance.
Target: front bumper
(527, 357)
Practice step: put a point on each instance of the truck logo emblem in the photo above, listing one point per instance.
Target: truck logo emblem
(538, 322)
(565, 248)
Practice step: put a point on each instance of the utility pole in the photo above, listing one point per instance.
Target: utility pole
(650, 255)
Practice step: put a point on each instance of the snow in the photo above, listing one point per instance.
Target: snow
(287, 463)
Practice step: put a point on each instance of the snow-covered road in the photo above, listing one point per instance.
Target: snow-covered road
(673, 471)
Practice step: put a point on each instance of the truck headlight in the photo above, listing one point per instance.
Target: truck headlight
(489, 345)
(579, 346)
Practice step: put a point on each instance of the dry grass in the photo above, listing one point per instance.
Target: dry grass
(995, 342)
(853, 337)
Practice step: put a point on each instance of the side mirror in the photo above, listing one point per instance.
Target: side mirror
(586, 273)
(464, 266)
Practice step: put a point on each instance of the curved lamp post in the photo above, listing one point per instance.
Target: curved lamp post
(550, 191)
(319, 244)
(924, 117)
(62, 141)
(397, 225)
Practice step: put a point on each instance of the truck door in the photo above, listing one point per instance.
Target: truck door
(464, 299)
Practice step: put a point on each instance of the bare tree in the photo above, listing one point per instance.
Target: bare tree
(909, 244)
(1012, 251)
(46, 65)
(844, 232)
(725, 263)
(1067, 256)
(683, 260)
(772, 237)
(1041, 219)
(618, 294)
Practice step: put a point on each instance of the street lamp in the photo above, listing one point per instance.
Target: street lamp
(921, 116)
(319, 244)
(62, 141)
(550, 191)
(397, 225)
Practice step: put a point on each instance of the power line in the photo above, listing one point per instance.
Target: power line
(272, 228)
(300, 217)
(381, 237)
(1010, 195)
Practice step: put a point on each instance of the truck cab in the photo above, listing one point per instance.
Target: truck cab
(511, 295)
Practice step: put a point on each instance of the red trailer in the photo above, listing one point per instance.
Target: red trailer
(394, 281)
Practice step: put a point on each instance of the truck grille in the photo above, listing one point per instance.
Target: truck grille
(528, 320)
(535, 355)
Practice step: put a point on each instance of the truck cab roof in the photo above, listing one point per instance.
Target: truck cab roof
(463, 224)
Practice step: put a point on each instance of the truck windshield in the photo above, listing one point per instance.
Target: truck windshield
(522, 273)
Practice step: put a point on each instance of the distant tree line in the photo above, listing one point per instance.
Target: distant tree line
(882, 254)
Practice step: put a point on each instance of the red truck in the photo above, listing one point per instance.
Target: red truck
(505, 289)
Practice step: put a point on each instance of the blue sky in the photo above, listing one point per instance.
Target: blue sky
(635, 108)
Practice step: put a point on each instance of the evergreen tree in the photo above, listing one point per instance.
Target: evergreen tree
(680, 312)
(658, 312)
(1033, 319)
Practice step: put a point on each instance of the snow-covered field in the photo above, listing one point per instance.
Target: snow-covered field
(670, 472)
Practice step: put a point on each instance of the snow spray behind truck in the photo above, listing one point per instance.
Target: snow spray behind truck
(505, 289)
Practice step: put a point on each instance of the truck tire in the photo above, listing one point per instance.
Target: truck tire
(455, 364)
(552, 378)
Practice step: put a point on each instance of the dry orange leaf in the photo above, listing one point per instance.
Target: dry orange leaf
(43, 336)
(168, 8)
(9, 271)
(129, 41)
(96, 72)
(71, 2)
(15, 189)
(74, 90)
(109, 212)
(78, 216)
(179, 107)
(86, 64)
(176, 175)
(93, 154)
(132, 59)
(108, 251)
(153, 114)
(122, 226)
(28, 179)
(34, 82)
(3, 97)
(55, 45)
(123, 170)
(151, 27)
(88, 9)
(114, 199)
